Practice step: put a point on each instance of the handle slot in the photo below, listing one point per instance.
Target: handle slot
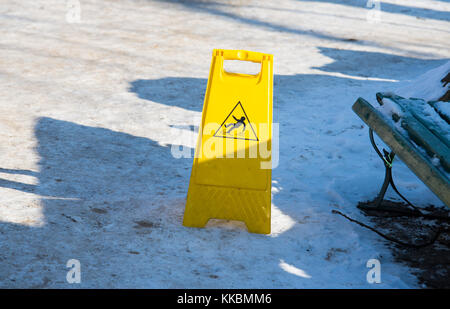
(244, 56)
(242, 67)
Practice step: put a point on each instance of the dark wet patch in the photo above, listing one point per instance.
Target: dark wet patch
(430, 264)
(332, 252)
(43, 284)
(99, 210)
(70, 218)
(145, 224)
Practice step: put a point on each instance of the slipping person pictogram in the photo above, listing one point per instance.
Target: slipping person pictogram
(239, 122)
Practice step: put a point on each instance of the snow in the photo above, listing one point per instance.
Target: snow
(427, 86)
(430, 114)
(389, 108)
(443, 108)
(90, 111)
(432, 79)
(436, 162)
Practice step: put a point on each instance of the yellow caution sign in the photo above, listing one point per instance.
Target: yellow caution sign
(231, 174)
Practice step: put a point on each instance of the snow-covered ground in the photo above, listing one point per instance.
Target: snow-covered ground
(89, 111)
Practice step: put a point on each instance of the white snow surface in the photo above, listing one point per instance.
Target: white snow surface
(89, 112)
(443, 108)
(427, 86)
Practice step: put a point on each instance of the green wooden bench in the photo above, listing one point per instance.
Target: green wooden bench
(415, 130)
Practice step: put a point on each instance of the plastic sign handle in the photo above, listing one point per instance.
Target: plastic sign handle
(242, 55)
(220, 55)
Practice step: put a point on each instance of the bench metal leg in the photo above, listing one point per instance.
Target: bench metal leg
(388, 158)
(387, 181)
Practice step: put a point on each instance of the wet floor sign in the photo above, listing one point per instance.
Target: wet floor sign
(231, 173)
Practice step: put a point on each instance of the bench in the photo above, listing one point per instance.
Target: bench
(415, 130)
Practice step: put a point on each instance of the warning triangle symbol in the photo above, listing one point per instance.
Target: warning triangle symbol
(237, 125)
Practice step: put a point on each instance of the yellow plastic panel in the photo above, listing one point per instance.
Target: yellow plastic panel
(231, 173)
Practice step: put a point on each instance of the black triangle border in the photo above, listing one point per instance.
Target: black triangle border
(249, 122)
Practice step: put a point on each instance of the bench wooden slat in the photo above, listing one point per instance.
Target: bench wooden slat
(420, 164)
(424, 112)
(435, 129)
(435, 105)
(426, 139)
(424, 125)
